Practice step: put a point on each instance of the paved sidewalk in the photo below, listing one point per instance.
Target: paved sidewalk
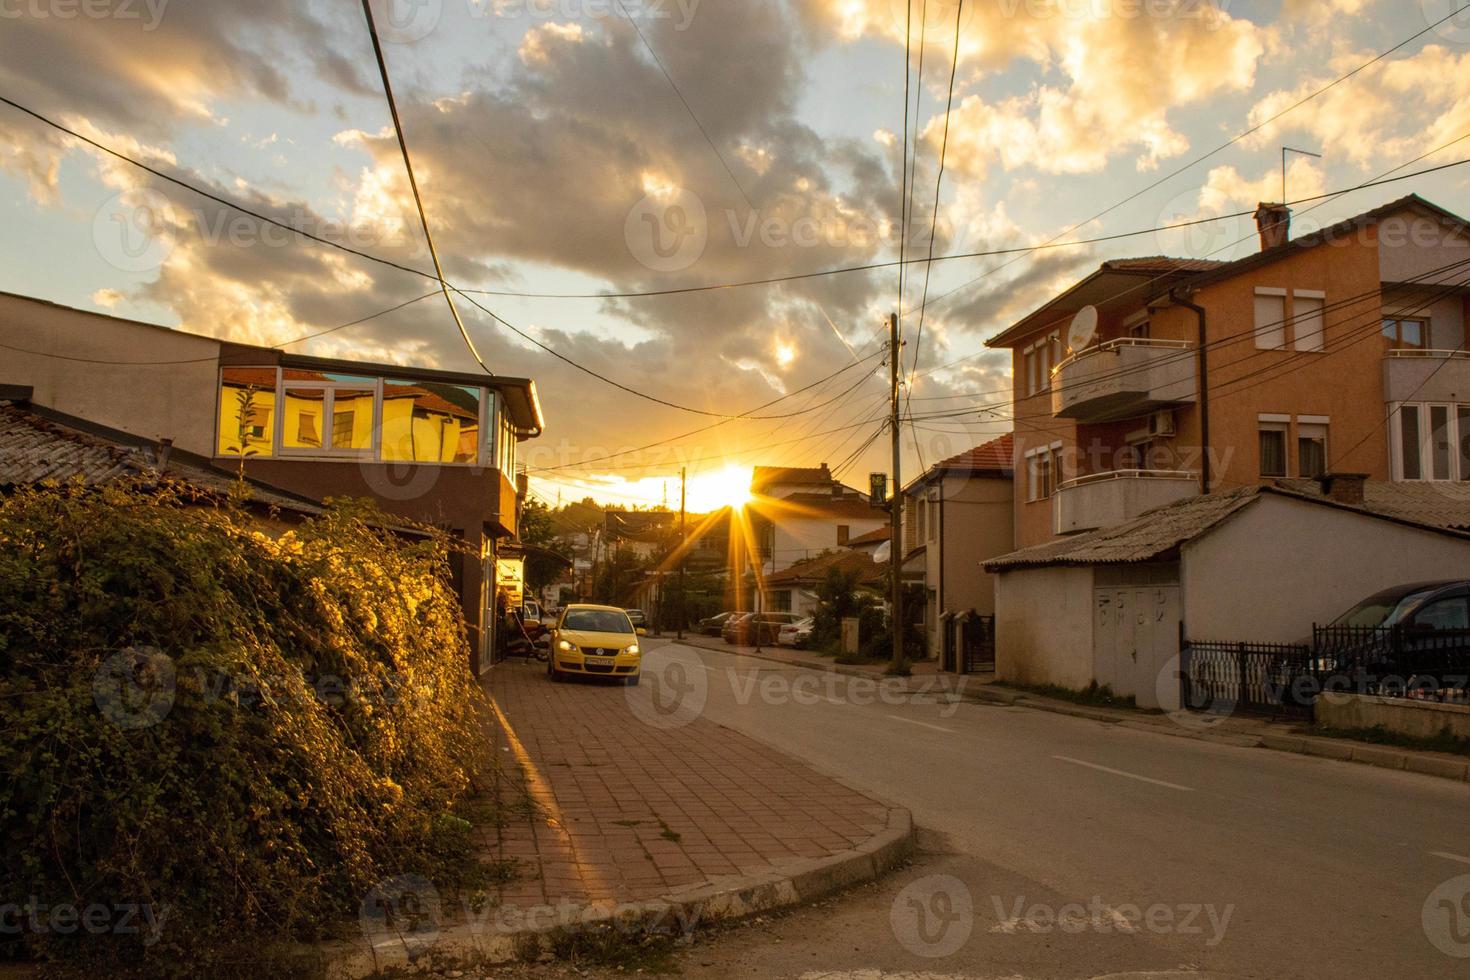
(623, 803)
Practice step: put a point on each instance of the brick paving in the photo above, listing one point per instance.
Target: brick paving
(601, 806)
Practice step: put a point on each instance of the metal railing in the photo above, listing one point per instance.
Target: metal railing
(1253, 678)
(1108, 475)
(1423, 352)
(1121, 342)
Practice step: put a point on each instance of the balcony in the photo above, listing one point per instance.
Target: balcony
(1123, 378)
(1105, 499)
(1426, 376)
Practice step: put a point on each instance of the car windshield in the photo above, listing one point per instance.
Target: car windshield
(597, 621)
(1383, 609)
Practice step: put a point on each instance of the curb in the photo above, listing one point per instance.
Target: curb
(835, 668)
(725, 899)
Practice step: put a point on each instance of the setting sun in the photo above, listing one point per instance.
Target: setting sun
(729, 487)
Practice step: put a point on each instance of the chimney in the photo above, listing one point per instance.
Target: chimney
(1274, 223)
(1345, 488)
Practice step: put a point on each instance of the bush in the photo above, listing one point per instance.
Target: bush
(240, 734)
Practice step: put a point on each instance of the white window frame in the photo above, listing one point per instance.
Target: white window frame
(1296, 319)
(1274, 422)
(1273, 292)
(1457, 433)
(1323, 422)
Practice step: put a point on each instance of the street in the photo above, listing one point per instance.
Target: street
(1223, 861)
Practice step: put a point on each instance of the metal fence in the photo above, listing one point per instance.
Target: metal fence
(1284, 679)
(977, 644)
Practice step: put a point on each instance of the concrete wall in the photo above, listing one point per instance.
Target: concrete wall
(175, 399)
(1411, 245)
(1280, 565)
(1421, 719)
(1043, 626)
(798, 538)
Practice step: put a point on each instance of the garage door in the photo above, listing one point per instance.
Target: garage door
(1136, 638)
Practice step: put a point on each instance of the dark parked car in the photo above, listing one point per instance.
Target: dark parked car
(757, 628)
(713, 625)
(1418, 632)
(640, 621)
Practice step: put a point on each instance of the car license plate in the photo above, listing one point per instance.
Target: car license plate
(600, 661)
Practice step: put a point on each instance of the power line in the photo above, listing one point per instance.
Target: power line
(418, 200)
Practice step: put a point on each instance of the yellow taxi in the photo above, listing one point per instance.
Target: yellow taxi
(595, 641)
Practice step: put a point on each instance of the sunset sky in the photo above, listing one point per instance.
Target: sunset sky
(549, 145)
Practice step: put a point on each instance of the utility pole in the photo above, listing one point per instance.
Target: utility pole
(895, 531)
(683, 548)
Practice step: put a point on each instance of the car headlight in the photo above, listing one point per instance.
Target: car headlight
(565, 645)
(633, 648)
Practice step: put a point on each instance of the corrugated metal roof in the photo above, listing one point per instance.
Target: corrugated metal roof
(34, 449)
(1147, 537)
(1438, 503)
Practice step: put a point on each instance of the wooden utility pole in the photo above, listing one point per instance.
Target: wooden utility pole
(683, 548)
(895, 539)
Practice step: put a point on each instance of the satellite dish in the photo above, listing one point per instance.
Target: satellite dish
(1083, 329)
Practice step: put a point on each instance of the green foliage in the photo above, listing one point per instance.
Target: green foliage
(296, 720)
(1445, 741)
(837, 599)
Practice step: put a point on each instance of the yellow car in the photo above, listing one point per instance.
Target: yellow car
(595, 641)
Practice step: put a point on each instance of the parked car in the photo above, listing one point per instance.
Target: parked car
(797, 634)
(534, 619)
(713, 625)
(1415, 635)
(757, 628)
(595, 641)
(730, 632)
(640, 621)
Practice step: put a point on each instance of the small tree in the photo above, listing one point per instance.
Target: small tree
(837, 599)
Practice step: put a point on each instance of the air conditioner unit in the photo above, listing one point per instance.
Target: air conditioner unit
(1161, 424)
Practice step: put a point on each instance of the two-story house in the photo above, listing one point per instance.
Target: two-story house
(957, 514)
(438, 447)
(797, 513)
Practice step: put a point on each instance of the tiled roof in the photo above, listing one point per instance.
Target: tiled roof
(997, 454)
(1162, 264)
(34, 449)
(868, 571)
(764, 476)
(877, 536)
(1439, 504)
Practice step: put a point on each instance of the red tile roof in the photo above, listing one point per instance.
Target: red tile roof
(997, 454)
(814, 570)
(877, 536)
(764, 476)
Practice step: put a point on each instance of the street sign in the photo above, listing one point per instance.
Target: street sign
(877, 489)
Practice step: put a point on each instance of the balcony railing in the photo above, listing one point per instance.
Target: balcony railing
(1105, 499)
(1124, 378)
(1413, 374)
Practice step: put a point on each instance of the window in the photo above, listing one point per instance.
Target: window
(1308, 320)
(1431, 442)
(1273, 448)
(1271, 319)
(429, 422)
(1464, 421)
(1439, 442)
(921, 519)
(1410, 467)
(1311, 449)
(1029, 364)
(304, 407)
(1139, 331)
(844, 533)
(247, 397)
(1406, 333)
(1446, 614)
(1043, 471)
(780, 602)
(335, 407)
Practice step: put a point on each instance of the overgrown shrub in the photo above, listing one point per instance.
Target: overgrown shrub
(237, 733)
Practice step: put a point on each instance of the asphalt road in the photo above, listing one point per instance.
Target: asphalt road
(1061, 847)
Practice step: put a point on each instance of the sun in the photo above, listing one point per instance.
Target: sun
(729, 487)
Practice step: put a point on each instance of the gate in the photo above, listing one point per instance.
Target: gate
(1252, 678)
(977, 643)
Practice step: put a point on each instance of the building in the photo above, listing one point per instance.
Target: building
(1254, 564)
(438, 447)
(958, 514)
(784, 481)
(797, 513)
(1157, 379)
(795, 589)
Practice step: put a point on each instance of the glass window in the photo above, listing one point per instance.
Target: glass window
(1311, 449)
(352, 419)
(1270, 322)
(305, 408)
(1273, 449)
(1446, 614)
(1464, 442)
(247, 402)
(429, 422)
(1439, 432)
(1308, 322)
(1409, 448)
(1407, 333)
(596, 621)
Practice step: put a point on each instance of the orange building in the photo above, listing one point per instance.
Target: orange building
(1155, 379)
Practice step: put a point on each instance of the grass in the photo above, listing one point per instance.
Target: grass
(1445, 741)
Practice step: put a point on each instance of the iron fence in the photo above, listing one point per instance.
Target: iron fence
(1247, 677)
(977, 644)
